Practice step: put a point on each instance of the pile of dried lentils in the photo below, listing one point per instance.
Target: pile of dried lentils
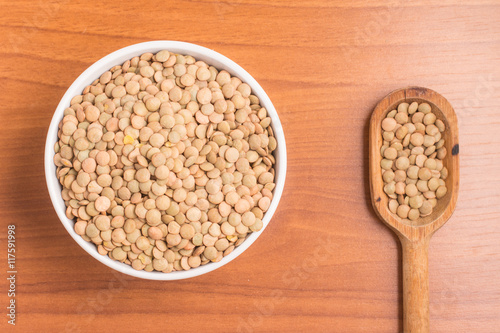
(413, 152)
(166, 163)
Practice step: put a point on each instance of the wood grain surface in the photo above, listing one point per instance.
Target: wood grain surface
(326, 263)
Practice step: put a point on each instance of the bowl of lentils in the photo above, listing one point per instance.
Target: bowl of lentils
(165, 160)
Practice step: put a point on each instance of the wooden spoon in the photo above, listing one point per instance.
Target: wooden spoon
(415, 235)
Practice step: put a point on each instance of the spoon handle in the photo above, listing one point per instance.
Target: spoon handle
(415, 285)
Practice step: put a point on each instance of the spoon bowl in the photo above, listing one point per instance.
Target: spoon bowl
(415, 235)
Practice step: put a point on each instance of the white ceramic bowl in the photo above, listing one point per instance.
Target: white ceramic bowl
(116, 58)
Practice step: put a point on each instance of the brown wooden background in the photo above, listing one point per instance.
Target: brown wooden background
(325, 263)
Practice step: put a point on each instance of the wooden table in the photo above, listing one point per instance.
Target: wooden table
(325, 263)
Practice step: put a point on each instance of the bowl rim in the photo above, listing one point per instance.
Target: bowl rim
(118, 57)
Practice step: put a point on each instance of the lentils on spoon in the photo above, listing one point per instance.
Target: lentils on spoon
(412, 166)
